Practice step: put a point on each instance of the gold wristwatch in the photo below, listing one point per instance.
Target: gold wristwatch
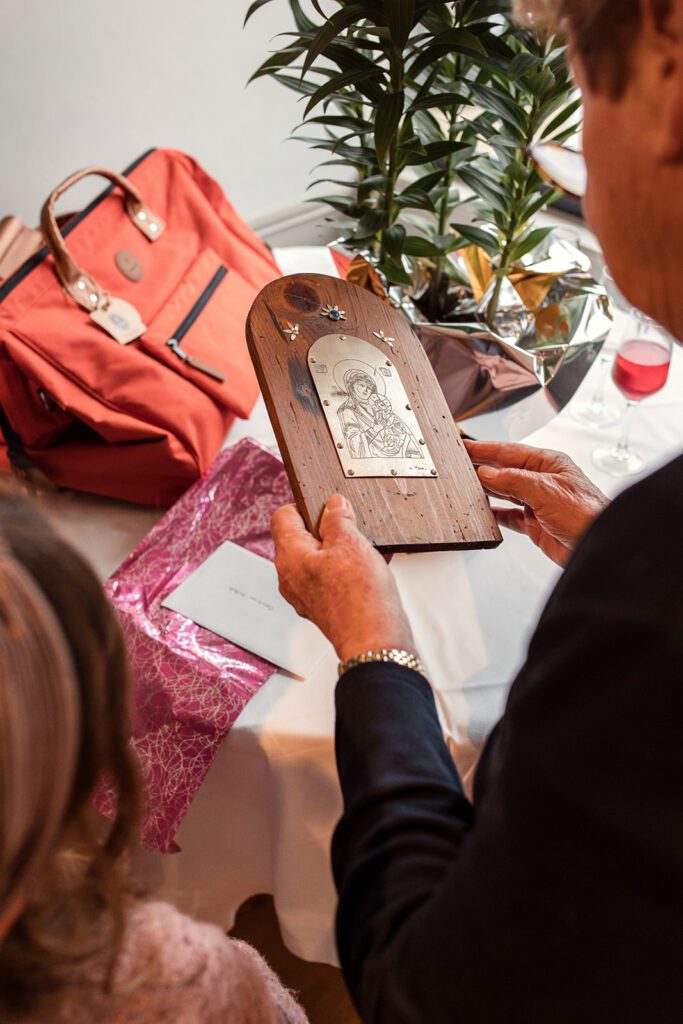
(386, 654)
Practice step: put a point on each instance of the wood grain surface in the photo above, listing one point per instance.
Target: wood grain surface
(396, 514)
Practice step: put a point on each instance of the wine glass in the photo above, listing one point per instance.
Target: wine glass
(596, 412)
(640, 369)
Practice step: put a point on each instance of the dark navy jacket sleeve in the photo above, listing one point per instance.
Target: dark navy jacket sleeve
(558, 897)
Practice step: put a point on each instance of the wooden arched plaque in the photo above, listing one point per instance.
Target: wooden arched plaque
(357, 410)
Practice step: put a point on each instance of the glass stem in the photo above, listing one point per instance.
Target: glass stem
(598, 399)
(629, 416)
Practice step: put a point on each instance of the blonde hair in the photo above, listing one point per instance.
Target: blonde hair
(39, 729)
(64, 725)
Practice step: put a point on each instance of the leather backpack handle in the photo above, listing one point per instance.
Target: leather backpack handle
(77, 283)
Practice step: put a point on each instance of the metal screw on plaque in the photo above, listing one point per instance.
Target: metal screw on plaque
(349, 472)
(408, 407)
(342, 337)
(313, 359)
(433, 472)
(326, 401)
(339, 444)
(388, 363)
(422, 440)
(394, 472)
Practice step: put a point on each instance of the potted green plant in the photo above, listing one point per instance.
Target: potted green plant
(424, 112)
(416, 99)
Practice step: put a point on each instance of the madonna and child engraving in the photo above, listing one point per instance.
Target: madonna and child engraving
(368, 421)
(367, 409)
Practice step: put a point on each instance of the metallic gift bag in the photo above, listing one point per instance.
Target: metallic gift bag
(505, 382)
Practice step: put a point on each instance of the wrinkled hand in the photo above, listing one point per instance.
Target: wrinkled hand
(558, 501)
(341, 583)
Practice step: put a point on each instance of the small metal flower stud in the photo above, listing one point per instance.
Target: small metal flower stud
(333, 313)
(382, 337)
(291, 331)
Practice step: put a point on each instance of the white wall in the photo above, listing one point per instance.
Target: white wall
(88, 81)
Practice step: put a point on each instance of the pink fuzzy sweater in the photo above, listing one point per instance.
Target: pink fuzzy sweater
(173, 970)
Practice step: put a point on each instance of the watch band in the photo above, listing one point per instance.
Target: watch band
(393, 654)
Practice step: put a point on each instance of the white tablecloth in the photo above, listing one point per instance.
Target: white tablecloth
(263, 819)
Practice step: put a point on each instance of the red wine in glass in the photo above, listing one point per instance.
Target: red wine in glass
(640, 369)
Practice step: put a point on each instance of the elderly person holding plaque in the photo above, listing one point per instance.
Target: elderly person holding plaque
(557, 895)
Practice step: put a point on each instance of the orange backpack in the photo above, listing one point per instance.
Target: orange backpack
(123, 357)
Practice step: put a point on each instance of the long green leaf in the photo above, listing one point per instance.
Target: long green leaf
(338, 203)
(395, 272)
(334, 26)
(417, 246)
(301, 20)
(538, 203)
(340, 121)
(527, 242)
(393, 239)
(400, 15)
(347, 58)
(343, 182)
(492, 98)
(521, 65)
(424, 184)
(276, 62)
(565, 115)
(414, 199)
(478, 236)
(296, 84)
(337, 83)
(253, 9)
(442, 100)
(474, 53)
(387, 120)
(456, 38)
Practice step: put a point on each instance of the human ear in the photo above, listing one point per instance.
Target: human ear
(662, 42)
(658, 15)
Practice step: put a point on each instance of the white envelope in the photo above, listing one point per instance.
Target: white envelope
(235, 593)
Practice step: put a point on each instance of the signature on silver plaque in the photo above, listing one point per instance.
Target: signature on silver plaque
(367, 409)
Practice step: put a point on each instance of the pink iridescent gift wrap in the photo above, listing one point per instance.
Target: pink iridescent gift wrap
(190, 685)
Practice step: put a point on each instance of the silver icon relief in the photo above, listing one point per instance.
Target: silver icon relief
(368, 413)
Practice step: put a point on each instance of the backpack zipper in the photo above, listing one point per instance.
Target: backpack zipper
(178, 335)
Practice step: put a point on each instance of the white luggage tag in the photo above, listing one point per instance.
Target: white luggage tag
(119, 319)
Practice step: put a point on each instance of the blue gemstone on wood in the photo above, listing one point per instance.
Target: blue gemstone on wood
(333, 313)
